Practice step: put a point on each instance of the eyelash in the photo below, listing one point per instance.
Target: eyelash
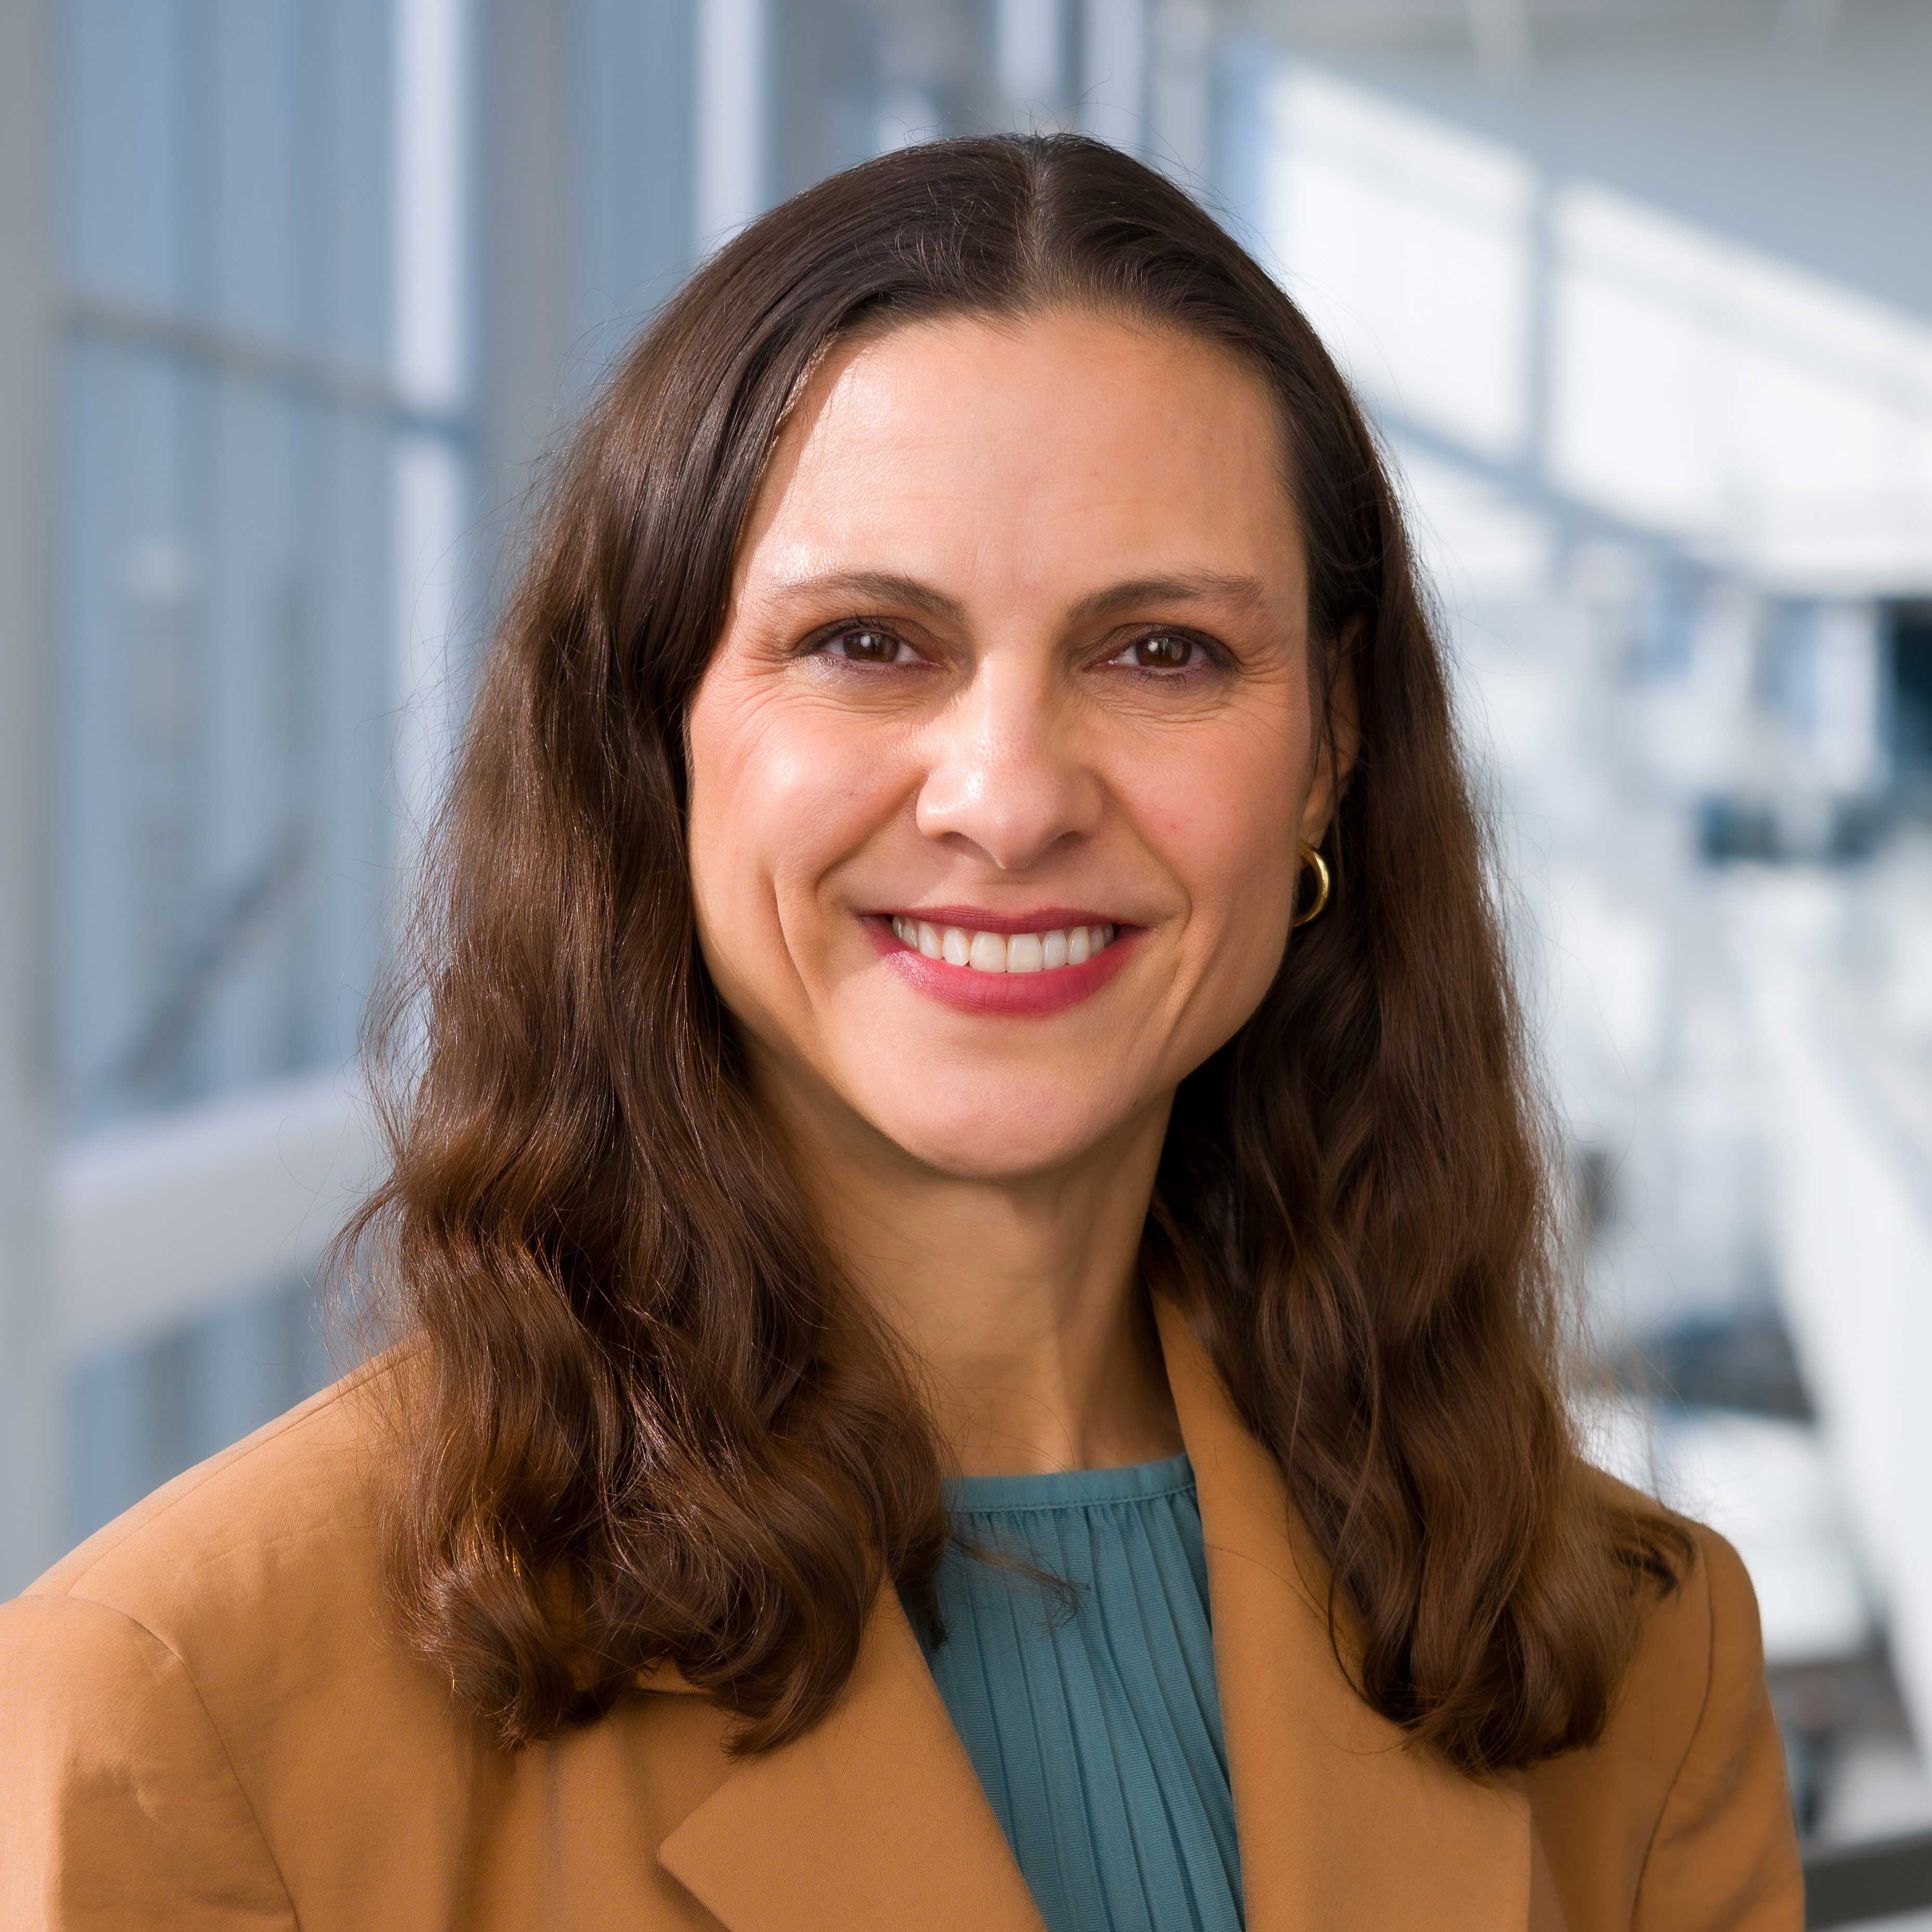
(1215, 655)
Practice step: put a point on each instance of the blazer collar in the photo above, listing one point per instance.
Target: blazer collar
(874, 1820)
(1342, 1827)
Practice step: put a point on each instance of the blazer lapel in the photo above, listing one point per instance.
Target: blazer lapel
(874, 1821)
(1341, 1827)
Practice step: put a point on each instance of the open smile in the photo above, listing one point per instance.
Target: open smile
(999, 963)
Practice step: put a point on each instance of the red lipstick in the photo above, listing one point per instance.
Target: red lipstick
(968, 990)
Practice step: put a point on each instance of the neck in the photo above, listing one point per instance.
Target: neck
(1019, 1297)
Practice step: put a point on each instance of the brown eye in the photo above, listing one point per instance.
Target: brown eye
(1163, 651)
(868, 646)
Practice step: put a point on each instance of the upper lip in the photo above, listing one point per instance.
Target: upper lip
(989, 918)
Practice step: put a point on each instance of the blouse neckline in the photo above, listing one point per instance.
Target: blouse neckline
(1070, 1488)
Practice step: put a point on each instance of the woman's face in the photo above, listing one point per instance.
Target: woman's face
(999, 768)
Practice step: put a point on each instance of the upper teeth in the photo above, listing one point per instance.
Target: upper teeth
(1003, 951)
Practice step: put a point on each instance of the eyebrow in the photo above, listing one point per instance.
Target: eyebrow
(888, 587)
(1190, 587)
(880, 586)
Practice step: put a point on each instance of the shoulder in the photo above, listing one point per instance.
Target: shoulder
(201, 1685)
(255, 1573)
(1680, 1812)
(123, 1807)
(258, 1574)
(233, 1548)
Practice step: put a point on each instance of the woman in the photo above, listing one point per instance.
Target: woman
(971, 1255)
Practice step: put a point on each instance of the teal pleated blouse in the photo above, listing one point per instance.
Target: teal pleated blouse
(1098, 1737)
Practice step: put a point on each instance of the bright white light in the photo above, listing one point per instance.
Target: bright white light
(1846, 742)
(1780, 425)
(1783, 423)
(431, 218)
(1767, 1485)
(1407, 242)
(1475, 541)
(731, 52)
(1852, 1238)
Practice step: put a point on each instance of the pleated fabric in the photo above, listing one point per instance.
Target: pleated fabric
(1098, 1737)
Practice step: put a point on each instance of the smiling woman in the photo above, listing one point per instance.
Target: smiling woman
(975, 1288)
(1076, 708)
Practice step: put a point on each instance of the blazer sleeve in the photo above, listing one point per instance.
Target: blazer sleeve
(1724, 1856)
(122, 1812)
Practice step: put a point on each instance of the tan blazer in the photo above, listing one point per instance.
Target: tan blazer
(204, 1722)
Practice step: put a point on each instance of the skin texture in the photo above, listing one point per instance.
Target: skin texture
(1089, 686)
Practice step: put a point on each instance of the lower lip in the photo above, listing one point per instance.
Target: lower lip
(1045, 992)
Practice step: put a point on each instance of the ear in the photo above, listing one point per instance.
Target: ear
(1341, 744)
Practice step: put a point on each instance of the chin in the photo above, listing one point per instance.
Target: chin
(999, 1143)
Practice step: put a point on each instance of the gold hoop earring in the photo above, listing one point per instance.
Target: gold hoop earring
(1309, 856)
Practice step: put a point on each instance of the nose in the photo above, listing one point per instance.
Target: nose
(1007, 779)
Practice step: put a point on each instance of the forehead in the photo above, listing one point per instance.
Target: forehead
(1033, 454)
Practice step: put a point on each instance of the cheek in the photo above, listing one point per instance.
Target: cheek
(780, 793)
(1222, 821)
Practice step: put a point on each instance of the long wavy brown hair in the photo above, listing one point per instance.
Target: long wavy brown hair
(649, 1425)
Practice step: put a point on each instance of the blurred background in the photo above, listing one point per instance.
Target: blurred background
(293, 293)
